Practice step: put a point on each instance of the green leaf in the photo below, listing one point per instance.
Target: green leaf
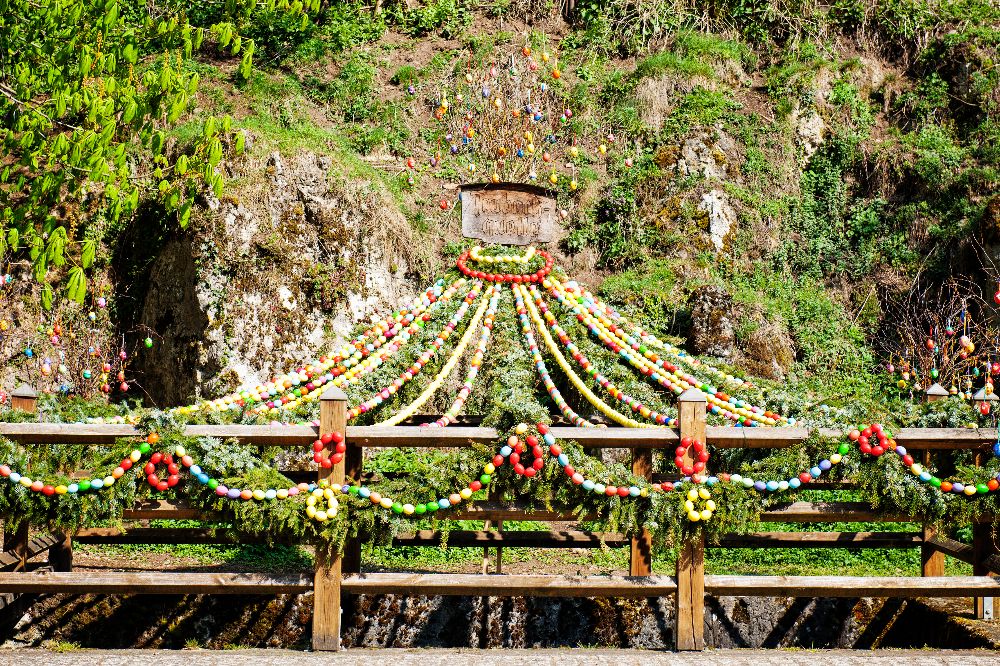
(181, 166)
(47, 296)
(88, 253)
(76, 285)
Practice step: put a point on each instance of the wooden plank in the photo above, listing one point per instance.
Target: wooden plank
(850, 586)
(821, 540)
(945, 546)
(491, 510)
(640, 562)
(326, 578)
(152, 582)
(531, 539)
(830, 512)
(689, 602)
(493, 585)
(162, 509)
(462, 436)
(156, 535)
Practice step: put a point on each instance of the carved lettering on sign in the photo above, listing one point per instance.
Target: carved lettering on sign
(508, 214)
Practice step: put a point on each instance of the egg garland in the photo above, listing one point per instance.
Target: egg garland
(541, 368)
(445, 371)
(476, 254)
(83, 485)
(641, 337)
(874, 440)
(574, 379)
(276, 394)
(425, 357)
(663, 373)
(596, 375)
(474, 364)
(418, 509)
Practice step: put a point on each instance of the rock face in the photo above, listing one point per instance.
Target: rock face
(768, 352)
(279, 271)
(712, 321)
(721, 216)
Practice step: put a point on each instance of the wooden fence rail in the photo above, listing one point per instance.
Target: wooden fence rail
(343, 575)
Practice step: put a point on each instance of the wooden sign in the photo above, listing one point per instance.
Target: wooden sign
(508, 214)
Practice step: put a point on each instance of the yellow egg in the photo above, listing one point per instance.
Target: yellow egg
(703, 493)
(692, 494)
(694, 516)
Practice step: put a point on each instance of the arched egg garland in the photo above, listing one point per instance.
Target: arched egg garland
(655, 361)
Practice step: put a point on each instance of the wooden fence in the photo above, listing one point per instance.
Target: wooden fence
(343, 575)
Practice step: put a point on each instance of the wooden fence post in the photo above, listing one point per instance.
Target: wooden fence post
(983, 546)
(689, 606)
(931, 559)
(25, 399)
(326, 582)
(641, 555)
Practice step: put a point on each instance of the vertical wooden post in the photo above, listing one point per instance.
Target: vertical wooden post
(354, 460)
(983, 546)
(689, 604)
(326, 582)
(931, 559)
(641, 555)
(25, 399)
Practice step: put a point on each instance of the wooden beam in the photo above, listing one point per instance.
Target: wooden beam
(156, 535)
(152, 582)
(462, 436)
(830, 512)
(945, 546)
(492, 585)
(850, 586)
(162, 509)
(531, 539)
(820, 540)
(984, 546)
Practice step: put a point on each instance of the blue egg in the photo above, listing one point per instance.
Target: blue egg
(825, 465)
(71, 488)
(14, 477)
(506, 451)
(794, 483)
(587, 484)
(97, 483)
(925, 476)
(444, 503)
(364, 492)
(563, 460)
(957, 487)
(772, 486)
(195, 469)
(270, 494)
(815, 471)
(712, 480)
(633, 491)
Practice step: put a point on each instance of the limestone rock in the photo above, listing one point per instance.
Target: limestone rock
(768, 352)
(721, 216)
(712, 321)
(810, 131)
(276, 273)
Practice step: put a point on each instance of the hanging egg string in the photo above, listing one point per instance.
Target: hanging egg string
(596, 376)
(474, 364)
(354, 371)
(540, 367)
(609, 317)
(425, 357)
(383, 337)
(657, 370)
(83, 485)
(447, 369)
(580, 386)
(874, 440)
